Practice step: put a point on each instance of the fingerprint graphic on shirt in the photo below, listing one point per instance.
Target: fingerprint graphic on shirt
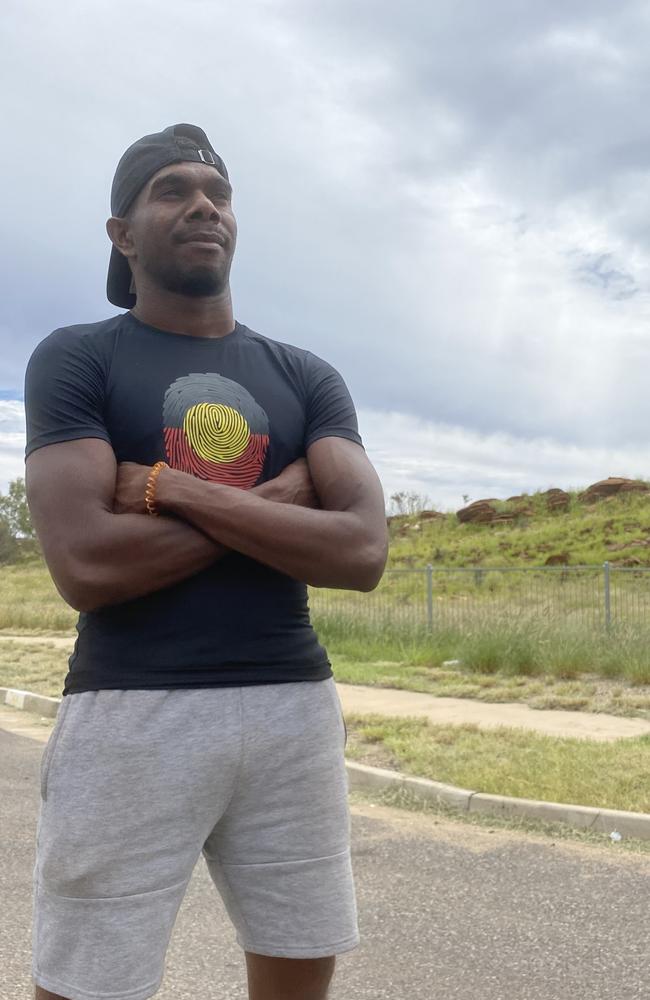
(215, 430)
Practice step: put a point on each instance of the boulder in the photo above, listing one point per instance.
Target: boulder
(479, 512)
(611, 487)
(557, 499)
(558, 559)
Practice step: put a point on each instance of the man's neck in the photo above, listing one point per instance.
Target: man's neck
(196, 317)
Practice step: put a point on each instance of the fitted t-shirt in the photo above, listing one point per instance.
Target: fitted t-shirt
(235, 410)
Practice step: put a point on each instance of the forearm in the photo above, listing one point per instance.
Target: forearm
(130, 555)
(319, 547)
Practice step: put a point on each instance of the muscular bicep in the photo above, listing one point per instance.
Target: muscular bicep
(70, 489)
(345, 480)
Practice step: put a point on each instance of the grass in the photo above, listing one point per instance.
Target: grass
(508, 647)
(33, 667)
(531, 637)
(41, 668)
(589, 693)
(29, 601)
(507, 761)
(542, 664)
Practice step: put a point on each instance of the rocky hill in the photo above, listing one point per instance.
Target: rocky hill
(609, 520)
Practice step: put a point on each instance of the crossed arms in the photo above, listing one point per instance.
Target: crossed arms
(321, 521)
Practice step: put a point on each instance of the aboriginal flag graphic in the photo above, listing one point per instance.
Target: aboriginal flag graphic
(215, 430)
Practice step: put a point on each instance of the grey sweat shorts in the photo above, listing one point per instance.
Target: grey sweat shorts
(136, 785)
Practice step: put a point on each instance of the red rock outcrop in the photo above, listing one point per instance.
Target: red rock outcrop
(611, 487)
(557, 499)
(479, 512)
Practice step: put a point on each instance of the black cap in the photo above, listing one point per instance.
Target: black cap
(141, 161)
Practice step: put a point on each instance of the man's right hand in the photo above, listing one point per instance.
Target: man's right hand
(292, 486)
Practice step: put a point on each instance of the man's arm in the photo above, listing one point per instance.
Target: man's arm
(98, 557)
(343, 545)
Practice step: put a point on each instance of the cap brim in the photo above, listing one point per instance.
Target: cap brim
(119, 281)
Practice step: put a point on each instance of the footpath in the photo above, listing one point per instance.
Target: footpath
(366, 700)
(32, 715)
(361, 699)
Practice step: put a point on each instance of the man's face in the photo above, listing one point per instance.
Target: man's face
(184, 231)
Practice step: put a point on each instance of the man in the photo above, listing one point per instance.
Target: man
(187, 478)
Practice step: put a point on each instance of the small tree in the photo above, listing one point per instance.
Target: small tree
(15, 512)
(8, 544)
(407, 502)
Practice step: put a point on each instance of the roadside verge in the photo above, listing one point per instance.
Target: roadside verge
(362, 777)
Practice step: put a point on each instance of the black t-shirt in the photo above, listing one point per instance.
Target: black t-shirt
(237, 410)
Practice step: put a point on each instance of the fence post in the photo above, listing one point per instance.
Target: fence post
(430, 598)
(608, 612)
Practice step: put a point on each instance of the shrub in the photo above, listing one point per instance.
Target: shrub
(8, 544)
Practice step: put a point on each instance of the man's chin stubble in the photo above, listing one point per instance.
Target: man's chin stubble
(197, 284)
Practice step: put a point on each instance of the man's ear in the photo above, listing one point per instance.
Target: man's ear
(120, 235)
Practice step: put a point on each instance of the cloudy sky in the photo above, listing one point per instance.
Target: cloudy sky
(448, 201)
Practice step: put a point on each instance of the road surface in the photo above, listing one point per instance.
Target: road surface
(446, 910)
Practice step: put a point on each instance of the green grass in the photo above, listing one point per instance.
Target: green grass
(509, 647)
(510, 762)
(545, 663)
(495, 628)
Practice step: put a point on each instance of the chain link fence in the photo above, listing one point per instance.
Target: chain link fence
(428, 599)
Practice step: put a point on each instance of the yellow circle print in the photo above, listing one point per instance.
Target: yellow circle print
(216, 432)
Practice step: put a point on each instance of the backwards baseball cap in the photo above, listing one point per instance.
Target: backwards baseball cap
(176, 144)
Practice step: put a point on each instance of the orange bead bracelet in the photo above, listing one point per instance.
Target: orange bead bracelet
(150, 491)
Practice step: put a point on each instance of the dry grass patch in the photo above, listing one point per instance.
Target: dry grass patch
(508, 761)
(589, 693)
(29, 601)
(37, 667)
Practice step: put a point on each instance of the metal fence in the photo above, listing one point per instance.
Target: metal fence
(431, 598)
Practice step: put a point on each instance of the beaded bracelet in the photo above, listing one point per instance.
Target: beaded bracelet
(149, 493)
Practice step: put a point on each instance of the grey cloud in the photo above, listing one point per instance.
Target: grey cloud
(551, 98)
(600, 271)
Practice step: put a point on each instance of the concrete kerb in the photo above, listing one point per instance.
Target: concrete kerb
(628, 824)
(362, 777)
(29, 702)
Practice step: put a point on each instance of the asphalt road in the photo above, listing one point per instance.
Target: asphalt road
(446, 911)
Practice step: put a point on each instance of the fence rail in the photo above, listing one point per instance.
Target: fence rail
(431, 598)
